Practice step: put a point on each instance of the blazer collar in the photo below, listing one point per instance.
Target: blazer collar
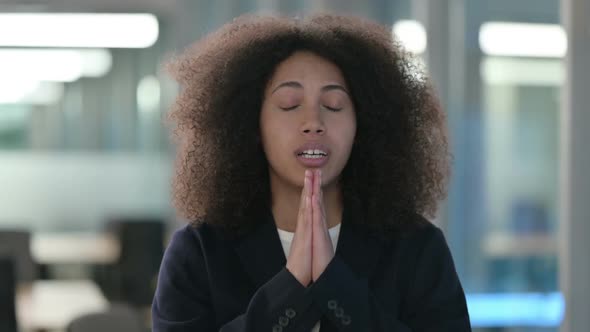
(262, 256)
(260, 250)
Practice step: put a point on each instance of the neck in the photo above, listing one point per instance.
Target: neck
(286, 199)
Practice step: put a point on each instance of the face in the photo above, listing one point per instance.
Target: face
(307, 109)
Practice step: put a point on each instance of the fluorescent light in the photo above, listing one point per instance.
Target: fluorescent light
(29, 92)
(78, 30)
(523, 39)
(522, 71)
(59, 65)
(411, 34)
(43, 65)
(12, 92)
(515, 309)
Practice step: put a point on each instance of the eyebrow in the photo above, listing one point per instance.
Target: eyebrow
(295, 84)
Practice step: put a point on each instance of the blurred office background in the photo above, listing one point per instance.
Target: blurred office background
(86, 161)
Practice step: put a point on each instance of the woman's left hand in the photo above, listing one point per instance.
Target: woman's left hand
(322, 249)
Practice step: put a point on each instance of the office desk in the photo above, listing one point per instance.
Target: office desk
(74, 248)
(52, 304)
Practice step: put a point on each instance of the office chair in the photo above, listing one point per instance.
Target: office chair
(7, 294)
(16, 244)
(132, 278)
(119, 318)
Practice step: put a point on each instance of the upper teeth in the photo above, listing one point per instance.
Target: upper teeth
(318, 152)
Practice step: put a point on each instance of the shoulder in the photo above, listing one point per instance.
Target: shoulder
(184, 237)
(412, 229)
(197, 240)
(432, 291)
(421, 230)
(418, 239)
(183, 245)
(182, 281)
(422, 239)
(194, 236)
(189, 251)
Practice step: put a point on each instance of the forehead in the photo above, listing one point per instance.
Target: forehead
(307, 66)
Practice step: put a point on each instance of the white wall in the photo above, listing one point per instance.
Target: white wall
(78, 191)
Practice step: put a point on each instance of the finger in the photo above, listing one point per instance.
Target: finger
(303, 202)
(320, 189)
(321, 238)
(303, 194)
(309, 195)
(314, 197)
(316, 211)
(310, 183)
(322, 199)
(314, 192)
(318, 215)
(321, 183)
(320, 212)
(319, 225)
(317, 182)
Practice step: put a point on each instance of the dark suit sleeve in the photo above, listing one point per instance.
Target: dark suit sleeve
(183, 303)
(280, 305)
(435, 300)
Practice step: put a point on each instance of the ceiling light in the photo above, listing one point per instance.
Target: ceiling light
(522, 71)
(523, 39)
(30, 92)
(78, 30)
(411, 34)
(59, 65)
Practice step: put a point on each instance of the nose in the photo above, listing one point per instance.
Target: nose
(313, 123)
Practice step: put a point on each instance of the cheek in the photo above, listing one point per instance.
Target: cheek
(347, 133)
(266, 128)
(274, 138)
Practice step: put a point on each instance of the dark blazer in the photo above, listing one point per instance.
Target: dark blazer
(208, 282)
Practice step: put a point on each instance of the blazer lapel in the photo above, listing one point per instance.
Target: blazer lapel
(262, 256)
(260, 251)
(356, 246)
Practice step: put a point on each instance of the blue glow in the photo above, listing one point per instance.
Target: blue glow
(515, 309)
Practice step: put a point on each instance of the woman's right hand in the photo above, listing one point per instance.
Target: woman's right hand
(300, 256)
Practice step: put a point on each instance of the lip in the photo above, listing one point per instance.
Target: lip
(315, 162)
(312, 146)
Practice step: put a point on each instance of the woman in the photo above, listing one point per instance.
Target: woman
(310, 153)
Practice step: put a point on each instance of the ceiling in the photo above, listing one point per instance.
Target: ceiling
(158, 7)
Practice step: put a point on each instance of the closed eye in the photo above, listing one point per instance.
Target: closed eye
(289, 108)
(333, 109)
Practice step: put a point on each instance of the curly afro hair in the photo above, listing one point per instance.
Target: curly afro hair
(399, 164)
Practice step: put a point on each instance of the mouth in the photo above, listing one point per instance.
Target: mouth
(314, 161)
(313, 154)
